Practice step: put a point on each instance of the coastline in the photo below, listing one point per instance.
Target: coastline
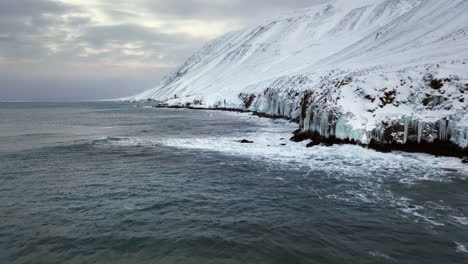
(436, 148)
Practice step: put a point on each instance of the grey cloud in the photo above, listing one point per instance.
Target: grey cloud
(78, 20)
(28, 26)
(31, 34)
(99, 35)
(121, 14)
(240, 10)
(119, 40)
(26, 30)
(38, 35)
(28, 8)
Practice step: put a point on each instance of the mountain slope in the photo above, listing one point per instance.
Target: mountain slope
(389, 72)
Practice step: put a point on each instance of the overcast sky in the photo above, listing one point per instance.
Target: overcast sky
(60, 50)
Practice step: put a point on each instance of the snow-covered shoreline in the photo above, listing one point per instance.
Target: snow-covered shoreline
(437, 148)
(386, 73)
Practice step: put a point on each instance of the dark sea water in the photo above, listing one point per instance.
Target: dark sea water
(117, 183)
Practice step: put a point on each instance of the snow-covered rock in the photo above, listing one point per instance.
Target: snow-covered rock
(368, 71)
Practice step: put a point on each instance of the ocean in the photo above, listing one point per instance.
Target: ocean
(113, 182)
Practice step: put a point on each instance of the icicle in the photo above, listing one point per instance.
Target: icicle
(268, 104)
(345, 131)
(463, 141)
(324, 124)
(414, 130)
(342, 129)
(361, 136)
(406, 121)
(450, 129)
(276, 107)
(287, 109)
(281, 106)
(273, 105)
(307, 120)
(369, 136)
(442, 130)
(316, 121)
(420, 130)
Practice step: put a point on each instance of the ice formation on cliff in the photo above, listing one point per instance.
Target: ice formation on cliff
(386, 71)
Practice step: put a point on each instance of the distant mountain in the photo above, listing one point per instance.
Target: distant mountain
(375, 72)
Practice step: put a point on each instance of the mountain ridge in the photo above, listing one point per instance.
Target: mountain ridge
(361, 65)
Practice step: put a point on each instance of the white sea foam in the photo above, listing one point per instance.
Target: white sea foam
(361, 173)
(379, 255)
(271, 143)
(461, 248)
(461, 220)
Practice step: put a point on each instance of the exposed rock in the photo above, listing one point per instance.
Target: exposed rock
(312, 144)
(385, 93)
(247, 99)
(436, 84)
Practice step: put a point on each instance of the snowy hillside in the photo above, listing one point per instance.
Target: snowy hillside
(387, 72)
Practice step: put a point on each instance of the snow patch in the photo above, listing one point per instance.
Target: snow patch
(360, 66)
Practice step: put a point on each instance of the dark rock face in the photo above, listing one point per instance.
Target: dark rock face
(317, 139)
(321, 127)
(388, 98)
(312, 144)
(436, 84)
(465, 160)
(247, 99)
(304, 104)
(437, 147)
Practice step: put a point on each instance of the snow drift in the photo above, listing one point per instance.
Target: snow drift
(373, 72)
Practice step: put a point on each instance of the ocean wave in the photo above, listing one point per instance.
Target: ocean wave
(362, 175)
(461, 248)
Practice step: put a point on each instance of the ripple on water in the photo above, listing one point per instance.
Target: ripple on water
(177, 187)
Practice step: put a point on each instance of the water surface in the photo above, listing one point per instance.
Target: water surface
(120, 183)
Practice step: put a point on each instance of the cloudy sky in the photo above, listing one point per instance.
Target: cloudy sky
(61, 50)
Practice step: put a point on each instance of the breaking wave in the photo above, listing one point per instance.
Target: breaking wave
(129, 188)
(362, 175)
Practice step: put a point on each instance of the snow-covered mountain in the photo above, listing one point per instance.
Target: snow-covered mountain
(390, 72)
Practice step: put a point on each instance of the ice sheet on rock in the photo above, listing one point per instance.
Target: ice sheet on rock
(373, 62)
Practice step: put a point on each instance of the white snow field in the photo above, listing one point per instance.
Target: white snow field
(385, 71)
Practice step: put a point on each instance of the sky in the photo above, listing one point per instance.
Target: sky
(69, 50)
